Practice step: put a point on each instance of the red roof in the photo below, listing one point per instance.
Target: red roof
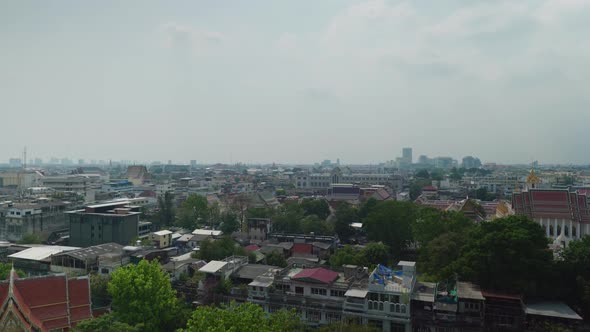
(51, 302)
(302, 248)
(317, 275)
(252, 247)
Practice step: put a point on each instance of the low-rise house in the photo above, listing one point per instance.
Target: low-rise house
(86, 260)
(36, 260)
(161, 239)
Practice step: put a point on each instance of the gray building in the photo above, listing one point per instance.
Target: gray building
(40, 217)
(104, 223)
(318, 181)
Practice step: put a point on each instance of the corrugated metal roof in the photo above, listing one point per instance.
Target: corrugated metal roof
(41, 253)
(213, 267)
(552, 309)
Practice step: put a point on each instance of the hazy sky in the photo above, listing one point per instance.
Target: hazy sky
(295, 81)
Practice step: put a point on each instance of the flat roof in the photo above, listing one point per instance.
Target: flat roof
(424, 291)
(467, 290)
(261, 282)
(551, 309)
(41, 253)
(359, 293)
(164, 232)
(251, 271)
(95, 251)
(213, 267)
(207, 232)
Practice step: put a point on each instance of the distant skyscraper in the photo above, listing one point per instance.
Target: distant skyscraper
(38, 161)
(407, 155)
(80, 161)
(193, 163)
(15, 162)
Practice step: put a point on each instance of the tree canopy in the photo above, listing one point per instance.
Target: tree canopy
(243, 317)
(390, 222)
(142, 293)
(318, 207)
(219, 249)
(194, 212)
(508, 254)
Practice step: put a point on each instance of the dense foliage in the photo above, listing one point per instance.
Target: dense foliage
(143, 294)
(244, 317)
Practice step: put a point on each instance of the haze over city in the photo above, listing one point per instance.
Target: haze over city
(296, 82)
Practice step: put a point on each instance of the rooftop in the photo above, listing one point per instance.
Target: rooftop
(162, 233)
(94, 251)
(551, 309)
(317, 275)
(213, 267)
(41, 252)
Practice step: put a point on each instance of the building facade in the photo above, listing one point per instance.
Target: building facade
(104, 223)
(39, 218)
(323, 181)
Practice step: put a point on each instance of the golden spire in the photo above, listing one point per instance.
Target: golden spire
(533, 178)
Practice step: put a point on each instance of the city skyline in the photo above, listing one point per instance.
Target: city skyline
(248, 82)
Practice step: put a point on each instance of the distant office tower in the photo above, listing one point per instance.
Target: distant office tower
(407, 155)
(38, 161)
(15, 162)
(80, 161)
(193, 163)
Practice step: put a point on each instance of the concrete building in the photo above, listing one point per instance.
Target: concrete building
(407, 155)
(470, 162)
(40, 217)
(323, 181)
(161, 239)
(86, 260)
(80, 184)
(104, 223)
(20, 179)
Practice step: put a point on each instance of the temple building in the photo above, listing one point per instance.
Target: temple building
(564, 214)
(50, 303)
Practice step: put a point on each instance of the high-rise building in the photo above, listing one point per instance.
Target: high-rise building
(407, 155)
(193, 163)
(15, 162)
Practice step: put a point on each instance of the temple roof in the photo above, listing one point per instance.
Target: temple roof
(44, 303)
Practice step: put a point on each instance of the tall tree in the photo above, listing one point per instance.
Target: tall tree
(574, 267)
(345, 215)
(229, 223)
(166, 214)
(142, 293)
(194, 212)
(390, 223)
(318, 207)
(507, 254)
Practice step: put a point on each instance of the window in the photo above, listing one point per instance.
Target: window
(318, 291)
(299, 290)
(314, 315)
(333, 317)
(337, 293)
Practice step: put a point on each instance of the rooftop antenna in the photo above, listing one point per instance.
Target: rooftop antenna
(25, 158)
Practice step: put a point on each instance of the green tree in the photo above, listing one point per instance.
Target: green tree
(229, 223)
(348, 255)
(275, 258)
(166, 213)
(366, 208)
(345, 215)
(99, 290)
(243, 317)
(219, 249)
(30, 239)
(313, 224)
(390, 223)
(318, 207)
(106, 323)
(437, 257)
(416, 186)
(422, 174)
(193, 212)
(5, 269)
(574, 267)
(142, 293)
(287, 218)
(507, 254)
(375, 253)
